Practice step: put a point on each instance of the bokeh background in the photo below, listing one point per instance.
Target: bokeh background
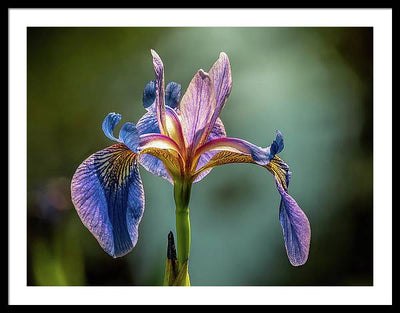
(313, 84)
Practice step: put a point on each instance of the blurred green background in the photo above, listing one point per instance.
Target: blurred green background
(313, 84)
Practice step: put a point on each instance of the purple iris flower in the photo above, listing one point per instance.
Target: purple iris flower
(180, 140)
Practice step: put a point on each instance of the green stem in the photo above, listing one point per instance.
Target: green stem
(182, 197)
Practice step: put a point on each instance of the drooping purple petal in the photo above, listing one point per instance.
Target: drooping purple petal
(295, 226)
(108, 195)
(259, 155)
(196, 108)
(294, 222)
(233, 150)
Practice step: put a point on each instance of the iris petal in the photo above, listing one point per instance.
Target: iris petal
(258, 155)
(295, 225)
(296, 228)
(166, 150)
(108, 195)
(174, 127)
(109, 123)
(149, 94)
(170, 160)
(160, 92)
(234, 150)
(155, 166)
(148, 124)
(129, 135)
(218, 131)
(196, 108)
(172, 94)
(221, 77)
(277, 145)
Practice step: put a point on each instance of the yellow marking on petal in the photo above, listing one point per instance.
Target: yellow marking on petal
(225, 157)
(117, 165)
(276, 166)
(170, 158)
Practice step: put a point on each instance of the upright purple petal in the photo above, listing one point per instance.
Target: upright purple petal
(196, 108)
(221, 77)
(108, 195)
(160, 92)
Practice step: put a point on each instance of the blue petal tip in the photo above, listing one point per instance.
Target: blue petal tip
(149, 94)
(277, 145)
(109, 123)
(172, 94)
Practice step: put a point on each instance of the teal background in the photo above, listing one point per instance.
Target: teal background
(313, 84)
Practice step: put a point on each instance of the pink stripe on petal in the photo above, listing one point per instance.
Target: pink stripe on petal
(157, 141)
(163, 148)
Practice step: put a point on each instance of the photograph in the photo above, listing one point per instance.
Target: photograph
(243, 156)
(127, 129)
